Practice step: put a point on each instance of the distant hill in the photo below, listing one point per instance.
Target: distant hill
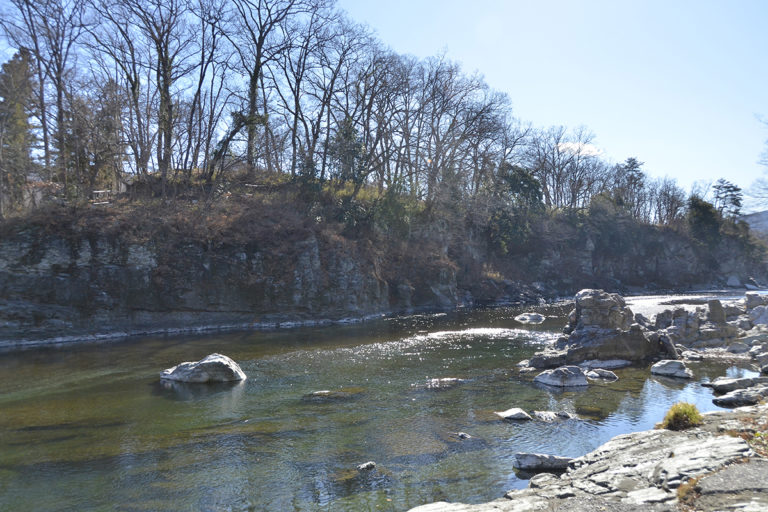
(758, 222)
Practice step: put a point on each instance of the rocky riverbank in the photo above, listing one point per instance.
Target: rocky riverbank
(720, 465)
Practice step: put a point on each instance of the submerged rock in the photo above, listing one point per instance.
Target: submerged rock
(530, 318)
(563, 377)
(671, 368)
(333, 395)
(212, 368)
(550, 416)
(514, 414)
(444, 383)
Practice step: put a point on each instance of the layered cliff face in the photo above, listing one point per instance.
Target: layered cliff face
(80, 278)
(51, 286)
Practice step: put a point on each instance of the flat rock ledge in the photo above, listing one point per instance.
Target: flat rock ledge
(642, 472)
(212, 368)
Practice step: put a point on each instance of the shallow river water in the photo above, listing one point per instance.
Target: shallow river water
(90, 427)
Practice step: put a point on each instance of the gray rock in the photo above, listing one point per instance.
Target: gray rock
(212, 368)
(726, 384)
(738, 347)
(734, 281)
(754, 299)
(541, 462)
(716, 313)
(602, 374)
(366, 466)
(737, 487)
(670, 368)
(563, 377)
(530, 318)
(759, 315)
(550, 416)
(739, 397)
(691, 355)
(514, 414)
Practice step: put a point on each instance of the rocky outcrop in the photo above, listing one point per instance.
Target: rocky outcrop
(601, 327)
(212, 368)
(644, 470)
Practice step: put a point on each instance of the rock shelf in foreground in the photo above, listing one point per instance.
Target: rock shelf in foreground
(643, 471)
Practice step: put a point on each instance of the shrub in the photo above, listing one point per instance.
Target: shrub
(681, 416)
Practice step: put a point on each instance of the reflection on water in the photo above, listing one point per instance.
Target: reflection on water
(93, 427)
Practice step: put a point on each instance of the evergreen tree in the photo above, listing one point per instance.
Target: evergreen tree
(16, 137)
(728, 198)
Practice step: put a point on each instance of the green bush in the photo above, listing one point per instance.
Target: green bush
(681, 416)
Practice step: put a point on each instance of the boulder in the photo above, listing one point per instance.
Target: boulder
(754, 299)
(563, 377)
(530, 318)
(733, 281)
(715, 312)
(514, 414)
(759, 315)
(212, 368)
(541, 462)
(671, 368)
(366, 466)
(601, 374)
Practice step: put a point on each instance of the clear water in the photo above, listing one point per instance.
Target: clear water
(91, 427)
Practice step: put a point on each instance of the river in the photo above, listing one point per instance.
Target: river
(90, 427)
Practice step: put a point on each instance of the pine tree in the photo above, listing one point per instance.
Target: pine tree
(16, 137)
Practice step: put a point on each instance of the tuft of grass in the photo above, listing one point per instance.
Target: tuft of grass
(688, 491)
(681, 416)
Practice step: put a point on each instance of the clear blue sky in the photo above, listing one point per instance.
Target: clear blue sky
(678, 84)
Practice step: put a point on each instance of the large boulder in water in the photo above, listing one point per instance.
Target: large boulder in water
(212, 368)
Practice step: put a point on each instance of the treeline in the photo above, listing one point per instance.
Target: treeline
(180, 94)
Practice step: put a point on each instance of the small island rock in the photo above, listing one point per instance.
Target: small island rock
(514, 414)
(212, 368)
(563, 377)
(530, 318)
(602, 374)
(671, 368)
